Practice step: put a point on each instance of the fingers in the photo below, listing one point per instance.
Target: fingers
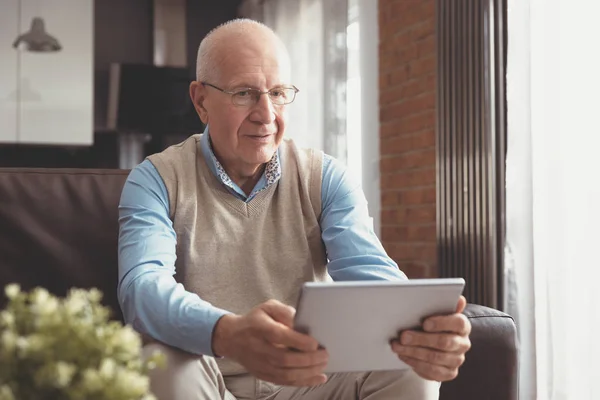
(462, 303)
(292, 368)
(434, 357)
(446, 342)
(280, 312)
(430, 371)
(265, 342)
(455, 323)
(279, 333)
(283, 358)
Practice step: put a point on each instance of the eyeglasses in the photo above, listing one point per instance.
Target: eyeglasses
(248, 97)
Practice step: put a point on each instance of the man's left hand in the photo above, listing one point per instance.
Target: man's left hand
(437, 352)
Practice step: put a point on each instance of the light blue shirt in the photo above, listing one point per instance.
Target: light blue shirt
(156, 305)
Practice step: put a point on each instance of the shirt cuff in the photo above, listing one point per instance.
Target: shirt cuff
(213, 315)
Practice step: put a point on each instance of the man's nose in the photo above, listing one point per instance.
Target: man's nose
(263, 111)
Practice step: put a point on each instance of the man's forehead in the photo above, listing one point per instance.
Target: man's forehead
(256, 72)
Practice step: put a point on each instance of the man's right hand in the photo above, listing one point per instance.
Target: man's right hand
(266, 344)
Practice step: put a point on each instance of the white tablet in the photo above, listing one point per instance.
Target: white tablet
(355, 321)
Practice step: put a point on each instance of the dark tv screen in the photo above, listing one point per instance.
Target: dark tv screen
(151, 99)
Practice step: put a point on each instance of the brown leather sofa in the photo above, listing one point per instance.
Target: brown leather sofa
(58, 229)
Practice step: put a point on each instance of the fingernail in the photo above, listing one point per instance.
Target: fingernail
(401, 349)
(429, 325)
(407, 338)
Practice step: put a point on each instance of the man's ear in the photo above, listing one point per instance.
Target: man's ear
(198, 95)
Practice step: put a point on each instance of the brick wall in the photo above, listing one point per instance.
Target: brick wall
(407, 74)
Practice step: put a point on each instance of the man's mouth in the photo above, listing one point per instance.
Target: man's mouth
(260, 138)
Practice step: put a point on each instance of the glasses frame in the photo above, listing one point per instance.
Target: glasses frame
(232, 93)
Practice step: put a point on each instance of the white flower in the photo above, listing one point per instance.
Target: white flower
(108, 368)
(22, 346)
(43, 303)
(132, 383)
(74, 304)
(92, 380)
(7, 319)
(36, 343)
(39, 296)
(12, 290)
(49, 307)
(128, 337)
(9, 340)
(127, 340)
(77, 329)
(95, 295)
(6, 393)
(64, 374)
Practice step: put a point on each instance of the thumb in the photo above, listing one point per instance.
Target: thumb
(280, 312)
(462, 303)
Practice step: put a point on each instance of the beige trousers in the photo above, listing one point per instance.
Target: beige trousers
(191, 377)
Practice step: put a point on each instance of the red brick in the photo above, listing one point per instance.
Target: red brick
(408, 179)
(406, 13)
(409, 160)
(397, 58)
(393, 142)
(407, 83)
(422, 195)
(409, 108)
(417, 270)
(409, 233)
(419, 122)
(422, 66)
(409, 215)
(393, 94)
(425, 252)
(426, 47)
(401, 9)
(422, 30)
(390, 128)
(398, 76)
(428, 9)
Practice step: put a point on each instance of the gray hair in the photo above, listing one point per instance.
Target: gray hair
(206, 61)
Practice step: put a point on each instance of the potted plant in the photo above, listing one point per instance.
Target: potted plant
(68, 348)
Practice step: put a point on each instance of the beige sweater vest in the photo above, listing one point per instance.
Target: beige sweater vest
(234, 254)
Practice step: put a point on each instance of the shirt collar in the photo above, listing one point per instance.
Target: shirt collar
(270, 176)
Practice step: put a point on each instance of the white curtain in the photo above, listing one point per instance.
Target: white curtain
(553, 195)
(314, 32)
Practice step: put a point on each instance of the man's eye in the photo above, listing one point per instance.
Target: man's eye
(243, 93)
(277, 93)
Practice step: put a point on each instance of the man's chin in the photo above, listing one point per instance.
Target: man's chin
(261, 156)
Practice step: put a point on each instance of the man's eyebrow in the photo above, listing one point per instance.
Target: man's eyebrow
(243, 85)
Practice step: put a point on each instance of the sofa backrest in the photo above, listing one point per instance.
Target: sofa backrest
(59, 229)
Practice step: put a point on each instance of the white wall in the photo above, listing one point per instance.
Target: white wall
(54, 96)
(8, 71)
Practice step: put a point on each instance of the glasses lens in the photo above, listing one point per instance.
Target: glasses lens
(245, 97)
(281, 96)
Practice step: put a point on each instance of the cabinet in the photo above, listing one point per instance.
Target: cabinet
(53, 91)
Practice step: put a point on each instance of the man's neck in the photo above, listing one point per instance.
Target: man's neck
(246, 177)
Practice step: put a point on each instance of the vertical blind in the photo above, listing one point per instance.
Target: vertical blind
(471, 137)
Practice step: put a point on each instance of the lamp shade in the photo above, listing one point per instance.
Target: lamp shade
(37, 39)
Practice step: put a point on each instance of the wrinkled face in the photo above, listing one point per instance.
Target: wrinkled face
(245, 136)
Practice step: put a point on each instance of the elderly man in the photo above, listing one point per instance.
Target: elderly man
(218, 233)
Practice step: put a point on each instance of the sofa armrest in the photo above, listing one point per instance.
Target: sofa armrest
(490, 371)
